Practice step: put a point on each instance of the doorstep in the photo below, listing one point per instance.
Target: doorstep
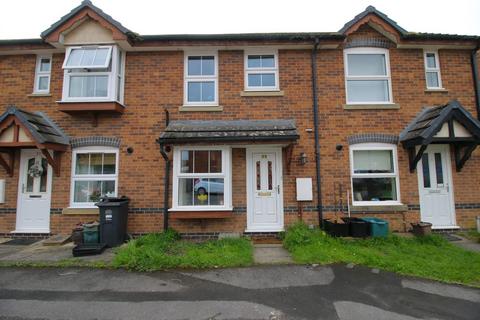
(271, 254)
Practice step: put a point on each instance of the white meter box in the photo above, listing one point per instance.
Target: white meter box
(304, 189)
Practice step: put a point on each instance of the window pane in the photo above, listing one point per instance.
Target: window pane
(208, 91)
(101, 56)
(96, 163)
(185, 192)
(268, 80)
(372, 161)
(186, 162)
(432, 80)
(254, 61)
(29, 186)
(431, 62)
(374, 189)
(426, 171)
(88, 86)
(268, 61)
(43, 82)
(367, 91)
(194, 66)
(101, 86)
(439, 168)
(366, 65)
(201, 162)
(87, 58)
(108, 188)
(257, 171)
(75, 57)
(254, 80)
(82, 163)
(109, 163)
(201, 190)
(216, 192)
(93, 190)
(43, 177)
(215, 161)
(194, 91)
(76, 84)
(81, 191)
(270, 175)
(208, 66)
(45, 65)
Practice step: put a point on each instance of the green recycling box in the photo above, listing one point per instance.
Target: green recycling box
(377, 227)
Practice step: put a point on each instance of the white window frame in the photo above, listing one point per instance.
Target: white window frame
(387, 77)
(201, 78)
(39, 73)
(436, 70)
(88, 177)
(395, 174)
(261, 70)
(104, 66)
(113, 90)
(226, 174)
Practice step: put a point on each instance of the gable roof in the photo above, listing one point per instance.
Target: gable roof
(429, 122)
(42, 129)
(372, 10)
(88, 4)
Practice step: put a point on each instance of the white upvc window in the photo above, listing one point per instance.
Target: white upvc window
(374, 173)
(367, 76)
(201, 79)
(432, 70)
(43, 71)
(93, 73)
(94, 175)
(261, 70)
(202, 178)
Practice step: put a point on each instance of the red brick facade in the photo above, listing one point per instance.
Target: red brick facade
(154, 83)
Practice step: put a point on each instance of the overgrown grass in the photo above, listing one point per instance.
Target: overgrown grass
(159, 251)
(430, 257)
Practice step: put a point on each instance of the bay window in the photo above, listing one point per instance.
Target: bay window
(94, 175)
(93, 73)
(367, 76)
(201, 79)
(374, 174)
(202, 178)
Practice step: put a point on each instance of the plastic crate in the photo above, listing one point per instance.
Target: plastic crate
(377, 227)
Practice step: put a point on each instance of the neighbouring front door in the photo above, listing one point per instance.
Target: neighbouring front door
(264, 188)
(435, 187)
(34, 193)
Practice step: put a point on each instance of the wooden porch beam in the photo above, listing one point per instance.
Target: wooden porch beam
(461, 159)
(8, 165)
(53, 161)
(414, 158)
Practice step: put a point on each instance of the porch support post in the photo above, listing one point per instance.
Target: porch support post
(53, 161)
(414, 158)
(8, 165)
(459, 159)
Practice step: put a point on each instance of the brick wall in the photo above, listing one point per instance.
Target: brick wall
(154, 82)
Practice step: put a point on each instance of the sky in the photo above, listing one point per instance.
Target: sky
(28, 18)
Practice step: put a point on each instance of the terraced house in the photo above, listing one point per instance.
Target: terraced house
(242, 133)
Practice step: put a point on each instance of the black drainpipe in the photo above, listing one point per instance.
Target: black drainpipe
(476, 80)
(317, 140)
(166, 180)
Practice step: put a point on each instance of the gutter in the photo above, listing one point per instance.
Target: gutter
(317, 139)
(476, 80)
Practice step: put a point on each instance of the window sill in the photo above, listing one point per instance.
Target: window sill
(90, 106)
(385, 106)
(80, 211)
(379, 208)
(260, 93)
(185, 215)
(436, 90)
(191, 108)
(39, 95)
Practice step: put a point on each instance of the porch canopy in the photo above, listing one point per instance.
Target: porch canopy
(219, 131)
(22, 129)
(447, 124)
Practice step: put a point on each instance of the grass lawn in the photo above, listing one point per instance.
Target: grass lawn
(158, 251)
(430, 257)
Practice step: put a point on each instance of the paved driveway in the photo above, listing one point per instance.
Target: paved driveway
(274, 292)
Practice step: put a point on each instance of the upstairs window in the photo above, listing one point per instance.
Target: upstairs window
(261, 71)
(367, 76)
(93, 73)
(201, 80)
(42, 74)
(374, 174)
(432, 70)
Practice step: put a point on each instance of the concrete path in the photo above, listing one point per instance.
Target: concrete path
(262, 292)
(467, 244)
(271, 254)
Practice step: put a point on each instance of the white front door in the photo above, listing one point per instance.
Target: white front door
(264, 190)
(34, 193)
(435, 187)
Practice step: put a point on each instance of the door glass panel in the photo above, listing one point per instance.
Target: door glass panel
(270, 183)
(426, 171)
(30, 179)
(258, 175)
(43, 177)
(439, 168)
